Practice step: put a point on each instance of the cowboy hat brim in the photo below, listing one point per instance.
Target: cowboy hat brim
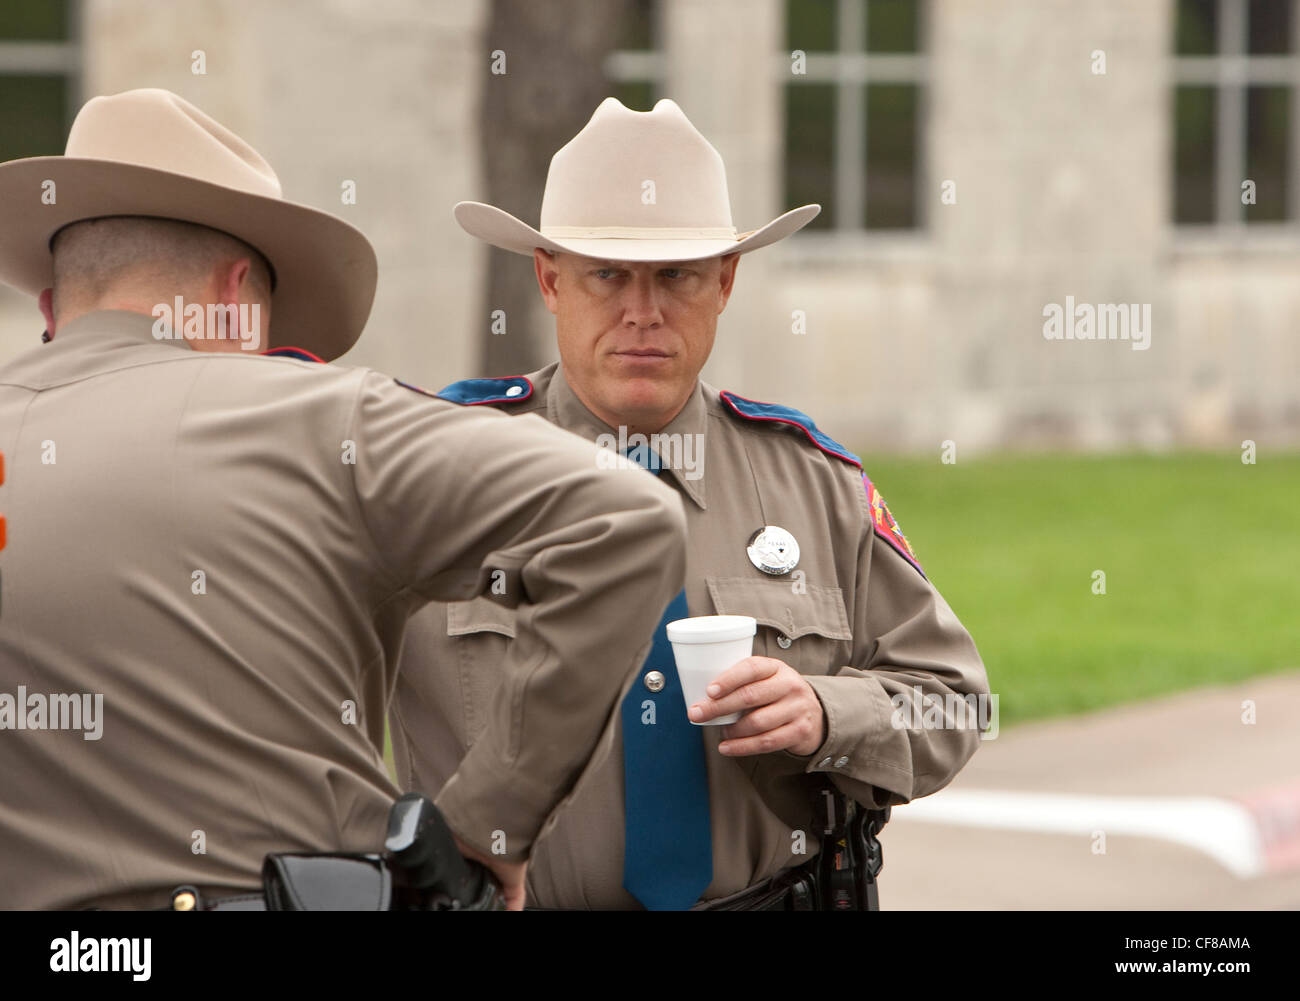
(325, 269)
(501, 229)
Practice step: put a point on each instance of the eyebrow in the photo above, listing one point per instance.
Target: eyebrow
(623, 265)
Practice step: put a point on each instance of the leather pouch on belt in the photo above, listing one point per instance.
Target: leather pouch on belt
(326, 883)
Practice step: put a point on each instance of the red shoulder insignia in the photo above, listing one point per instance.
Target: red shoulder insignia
(885, 525)
(302, 354)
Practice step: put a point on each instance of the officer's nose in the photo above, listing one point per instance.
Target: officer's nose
(641, 301)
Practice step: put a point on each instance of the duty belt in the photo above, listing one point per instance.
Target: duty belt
(841, 878)
(420, 869)
(188, 898)
(790, 890)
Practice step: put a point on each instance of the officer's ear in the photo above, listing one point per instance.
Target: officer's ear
(547, 267)
(727, 279)
(46, 301)
(231, 280)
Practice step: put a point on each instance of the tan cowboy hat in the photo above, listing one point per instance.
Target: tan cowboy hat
(633, 186)
(151, 153)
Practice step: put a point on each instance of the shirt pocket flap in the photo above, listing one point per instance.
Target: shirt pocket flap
(794, 608)
(478, 616)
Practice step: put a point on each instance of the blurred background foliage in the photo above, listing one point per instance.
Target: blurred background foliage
(1200, 555)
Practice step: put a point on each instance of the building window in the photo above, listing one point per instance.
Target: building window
(853, 107)
(1236, 112)
(40, 76)
(636, 69)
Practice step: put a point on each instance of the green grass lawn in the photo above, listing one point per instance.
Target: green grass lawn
(1201, 555)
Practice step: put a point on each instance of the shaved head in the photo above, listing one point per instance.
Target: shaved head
(98, 259)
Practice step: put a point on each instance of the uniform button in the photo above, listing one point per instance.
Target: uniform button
(841, 763)
(514, 390)
(654, 681)
(784, 641)
(824, 762)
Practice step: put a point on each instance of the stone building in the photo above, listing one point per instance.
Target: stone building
(982, 163)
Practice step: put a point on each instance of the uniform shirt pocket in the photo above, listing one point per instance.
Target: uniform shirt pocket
(803, 624)
(480, 631)
(466, 618)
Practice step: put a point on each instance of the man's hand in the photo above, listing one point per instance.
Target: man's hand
(510, 875)
(784, 712)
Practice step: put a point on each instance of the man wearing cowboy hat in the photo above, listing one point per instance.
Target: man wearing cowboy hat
(212, 552)
(784, 526)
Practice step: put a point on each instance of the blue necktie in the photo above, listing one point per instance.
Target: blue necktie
(668, 844)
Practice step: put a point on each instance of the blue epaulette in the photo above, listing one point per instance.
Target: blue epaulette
(472, 392)
(885, 525)
(754, 411)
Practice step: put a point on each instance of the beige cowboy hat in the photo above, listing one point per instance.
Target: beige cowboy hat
(151, 153)
(633, 186)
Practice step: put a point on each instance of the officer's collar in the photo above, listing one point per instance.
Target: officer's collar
(106, 324)
(112, 323)
(564, 409)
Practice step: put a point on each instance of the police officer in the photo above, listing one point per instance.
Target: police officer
(214, 541)
(784, 526)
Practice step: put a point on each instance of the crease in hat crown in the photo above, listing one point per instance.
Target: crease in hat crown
(667, 180)
(633, 186)
(150, 153)
(155, 128)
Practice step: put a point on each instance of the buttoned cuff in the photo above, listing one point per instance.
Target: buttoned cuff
(857, 713)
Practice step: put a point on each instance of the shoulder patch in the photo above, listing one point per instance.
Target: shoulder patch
(752, 410)
(885, 525)
(472, 392)
(302, 354)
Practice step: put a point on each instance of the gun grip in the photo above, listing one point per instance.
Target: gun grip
(424, 855)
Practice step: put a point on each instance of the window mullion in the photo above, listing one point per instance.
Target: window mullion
(921, 156)
(1230, 140)
(76, 74)
(38, 57)
(850, 159)
(1293, 106)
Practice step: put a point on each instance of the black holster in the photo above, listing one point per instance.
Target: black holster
(420, 869)
(851, 856)
(327, 883)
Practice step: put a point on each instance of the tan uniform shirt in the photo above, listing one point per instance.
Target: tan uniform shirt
(226, 548)
(856, 617)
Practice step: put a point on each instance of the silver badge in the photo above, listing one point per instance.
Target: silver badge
(773, 550)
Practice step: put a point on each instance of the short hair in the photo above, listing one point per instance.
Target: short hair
(93, 256)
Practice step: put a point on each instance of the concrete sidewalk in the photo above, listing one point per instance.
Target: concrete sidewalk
(1191, 744)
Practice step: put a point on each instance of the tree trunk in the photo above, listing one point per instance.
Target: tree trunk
(554, 78)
